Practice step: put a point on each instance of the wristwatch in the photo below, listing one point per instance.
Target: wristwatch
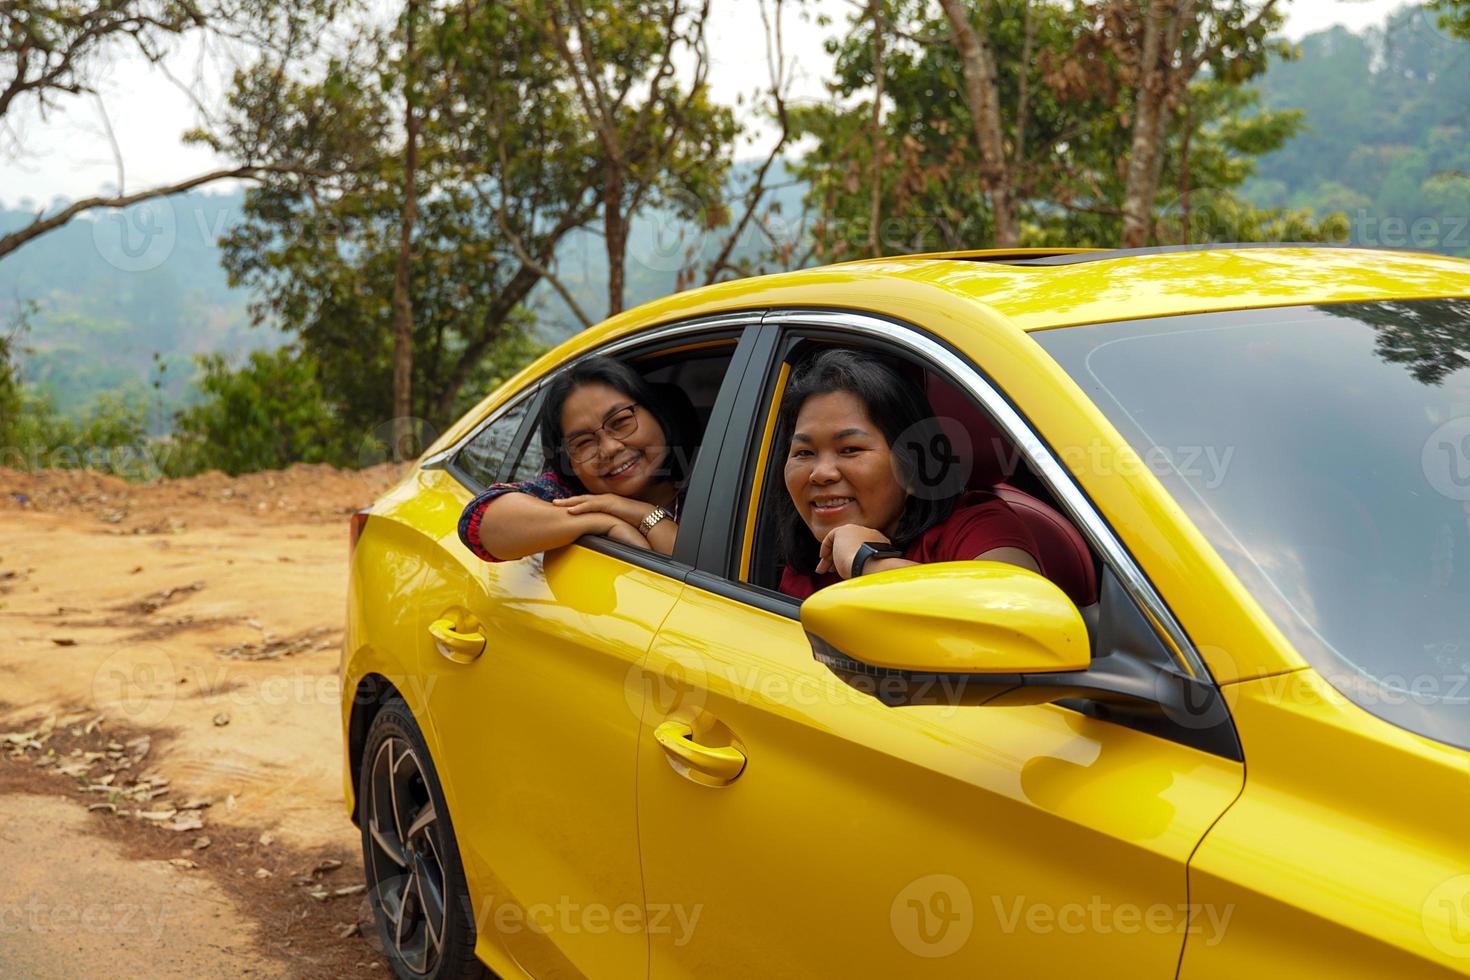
(654, 516)
(871, 549)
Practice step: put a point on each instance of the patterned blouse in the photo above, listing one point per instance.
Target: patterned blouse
(548, 486)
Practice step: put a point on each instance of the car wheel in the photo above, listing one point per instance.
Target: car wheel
(415, 880)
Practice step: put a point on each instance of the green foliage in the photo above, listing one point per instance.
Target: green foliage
(1074, 137)
(10, 391)
(510, 165)
(513, 185)
(1454, 16)
(504, 167)
(109, 437)
(267, 414)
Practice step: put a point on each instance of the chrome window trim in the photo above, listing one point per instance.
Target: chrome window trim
(441, 459)
(1056, 477)
(651, 335)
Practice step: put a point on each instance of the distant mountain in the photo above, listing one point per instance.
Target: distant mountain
(1388, 133)
(116, 288)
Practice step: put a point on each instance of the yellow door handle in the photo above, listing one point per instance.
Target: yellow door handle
(723, 763)
(457, 646)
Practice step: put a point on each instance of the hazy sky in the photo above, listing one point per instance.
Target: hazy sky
(69, 155)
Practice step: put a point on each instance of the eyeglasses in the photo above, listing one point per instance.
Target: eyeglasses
(620, 426)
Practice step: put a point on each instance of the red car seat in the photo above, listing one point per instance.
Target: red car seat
(992, 459)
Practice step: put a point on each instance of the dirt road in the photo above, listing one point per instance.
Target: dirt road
(170, 750)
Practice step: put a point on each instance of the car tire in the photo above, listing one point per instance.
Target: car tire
(415, 879)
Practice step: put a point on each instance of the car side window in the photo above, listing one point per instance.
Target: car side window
(968, 454)
(532, 462)
(483, 456)
(689, 381)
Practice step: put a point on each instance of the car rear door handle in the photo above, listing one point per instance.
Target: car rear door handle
(722, 763)
(459, 647)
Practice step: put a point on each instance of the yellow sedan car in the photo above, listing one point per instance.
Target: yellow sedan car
(1226, 736)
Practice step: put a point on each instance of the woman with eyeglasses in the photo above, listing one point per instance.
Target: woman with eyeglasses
(615, 457)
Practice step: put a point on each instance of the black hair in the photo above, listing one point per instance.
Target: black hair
(898, 407)
(622, 378)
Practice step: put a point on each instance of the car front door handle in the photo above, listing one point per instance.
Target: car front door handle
(722, 763)
(454, 645)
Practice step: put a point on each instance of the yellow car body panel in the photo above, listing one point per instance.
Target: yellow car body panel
(879, 808)
(1338, 849)
(1346, 854)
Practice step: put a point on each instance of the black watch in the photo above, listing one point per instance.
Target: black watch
(871, 549)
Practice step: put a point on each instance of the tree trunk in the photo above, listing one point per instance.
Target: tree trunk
(615, 231)
(1184, 180)
(403, 434)
(1145, 153)
(981, 96)
(875, 177)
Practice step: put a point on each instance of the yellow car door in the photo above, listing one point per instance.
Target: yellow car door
(523, 665)
(791, 825)
(538, 730)
(540, 733)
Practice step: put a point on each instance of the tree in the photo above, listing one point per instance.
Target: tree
(503, 172)
(11, 393)
(532, 120)
(1061, 135)
(1383, 118)
(972, 41)
(659, 139)
(1157, 48)
(402, 301)
(53, 50)
(880, 154)
(773, 101)
(267, 414)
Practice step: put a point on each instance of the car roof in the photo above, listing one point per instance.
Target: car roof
(1039, 289)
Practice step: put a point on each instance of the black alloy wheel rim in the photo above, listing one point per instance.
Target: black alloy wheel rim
(405, 867)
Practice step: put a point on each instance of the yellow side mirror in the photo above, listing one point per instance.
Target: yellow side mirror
(963, 617)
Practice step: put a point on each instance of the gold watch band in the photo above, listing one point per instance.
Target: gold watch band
(654, 516)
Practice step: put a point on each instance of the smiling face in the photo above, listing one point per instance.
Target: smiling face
(633, 466)
(840, 468)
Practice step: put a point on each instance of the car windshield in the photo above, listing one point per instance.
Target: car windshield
(1325, 453)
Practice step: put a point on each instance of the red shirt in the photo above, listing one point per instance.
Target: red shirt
(980, 522)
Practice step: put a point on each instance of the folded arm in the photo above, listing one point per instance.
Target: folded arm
(514, 525)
